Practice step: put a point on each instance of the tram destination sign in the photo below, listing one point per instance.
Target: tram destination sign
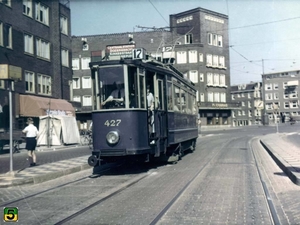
(117, 51)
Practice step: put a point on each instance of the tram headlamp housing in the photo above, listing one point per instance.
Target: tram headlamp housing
(112, 137)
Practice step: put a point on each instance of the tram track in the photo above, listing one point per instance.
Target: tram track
(272, 210)
(100, 172)
(132, 183)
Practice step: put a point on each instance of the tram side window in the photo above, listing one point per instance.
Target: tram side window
(132, 87)
(170, 96)
(142, 91)
(195, 110)
(160, 102)
(177, 98)
(183, 101)
(189, 108)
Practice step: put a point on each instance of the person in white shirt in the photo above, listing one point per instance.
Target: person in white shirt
(150, 102)
(32, 133)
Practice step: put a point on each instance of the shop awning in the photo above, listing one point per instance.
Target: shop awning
(34, 106)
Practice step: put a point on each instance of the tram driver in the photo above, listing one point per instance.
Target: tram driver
(116, 95)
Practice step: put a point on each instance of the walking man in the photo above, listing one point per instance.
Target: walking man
(31, 135)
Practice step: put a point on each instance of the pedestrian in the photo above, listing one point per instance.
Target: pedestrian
(31, 139)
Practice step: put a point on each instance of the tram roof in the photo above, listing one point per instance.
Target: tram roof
(152, 65)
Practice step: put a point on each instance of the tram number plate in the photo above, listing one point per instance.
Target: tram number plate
(112, 123)
(138, 53)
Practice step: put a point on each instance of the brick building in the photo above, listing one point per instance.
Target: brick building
(196, 43)
(249, 97)
(35, 38)
(281, 95)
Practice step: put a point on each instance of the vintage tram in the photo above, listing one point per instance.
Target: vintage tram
(126, 126)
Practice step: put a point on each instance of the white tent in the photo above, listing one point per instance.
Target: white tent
(61, 130)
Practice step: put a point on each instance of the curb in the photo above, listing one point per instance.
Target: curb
(42, 178)
(286, 168)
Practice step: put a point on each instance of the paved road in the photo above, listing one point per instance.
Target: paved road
(228, 189)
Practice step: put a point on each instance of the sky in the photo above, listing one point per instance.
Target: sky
(264, 35)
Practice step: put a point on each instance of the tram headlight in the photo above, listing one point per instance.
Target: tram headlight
(112, 137)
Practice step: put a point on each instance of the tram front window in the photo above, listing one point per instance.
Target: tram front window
(111, 87)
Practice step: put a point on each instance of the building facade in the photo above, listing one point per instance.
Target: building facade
(196, 43)
(35, 40)
(249, 97)
(281, 95)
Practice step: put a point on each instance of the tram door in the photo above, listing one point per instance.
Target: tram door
(160, 120)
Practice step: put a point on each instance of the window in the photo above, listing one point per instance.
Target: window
(177, 98)
(222, 80)
(28, 43)
(223, 97)
(193, 56)
(208, 60)
(210, 96)
(76, 83)
(86, 82)
(44, 84)
(201, 97)
(7, 36)
(215, 39)
(243, 103)
(181, 57)
(27, 7)
(29, 81)
(209, 78)
(200, 57)
(276, 95)
(249, 104)
(249, 95)
(63, 25)
(269, 96)
(293, 104)
(268, 87)
(221, 61)
(216, 79)
(65, 57)
(215, 61)
(269, 105)
(201, 77)
(188, 39)
(1, 33)
(75, 64)
(232, 96)
(85, 63)
(275, 86)
(216, 97)
(86, 100)
(76, 99)
(6, 2)
(294, 94)
(250, 113)
(194, 76)
(286, 105)
(220, 41)
(42, 13)
(42, 48)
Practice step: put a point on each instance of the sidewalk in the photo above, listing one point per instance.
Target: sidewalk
(44, 172)
(284, 153)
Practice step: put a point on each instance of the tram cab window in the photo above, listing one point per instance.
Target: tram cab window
(111, 87)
